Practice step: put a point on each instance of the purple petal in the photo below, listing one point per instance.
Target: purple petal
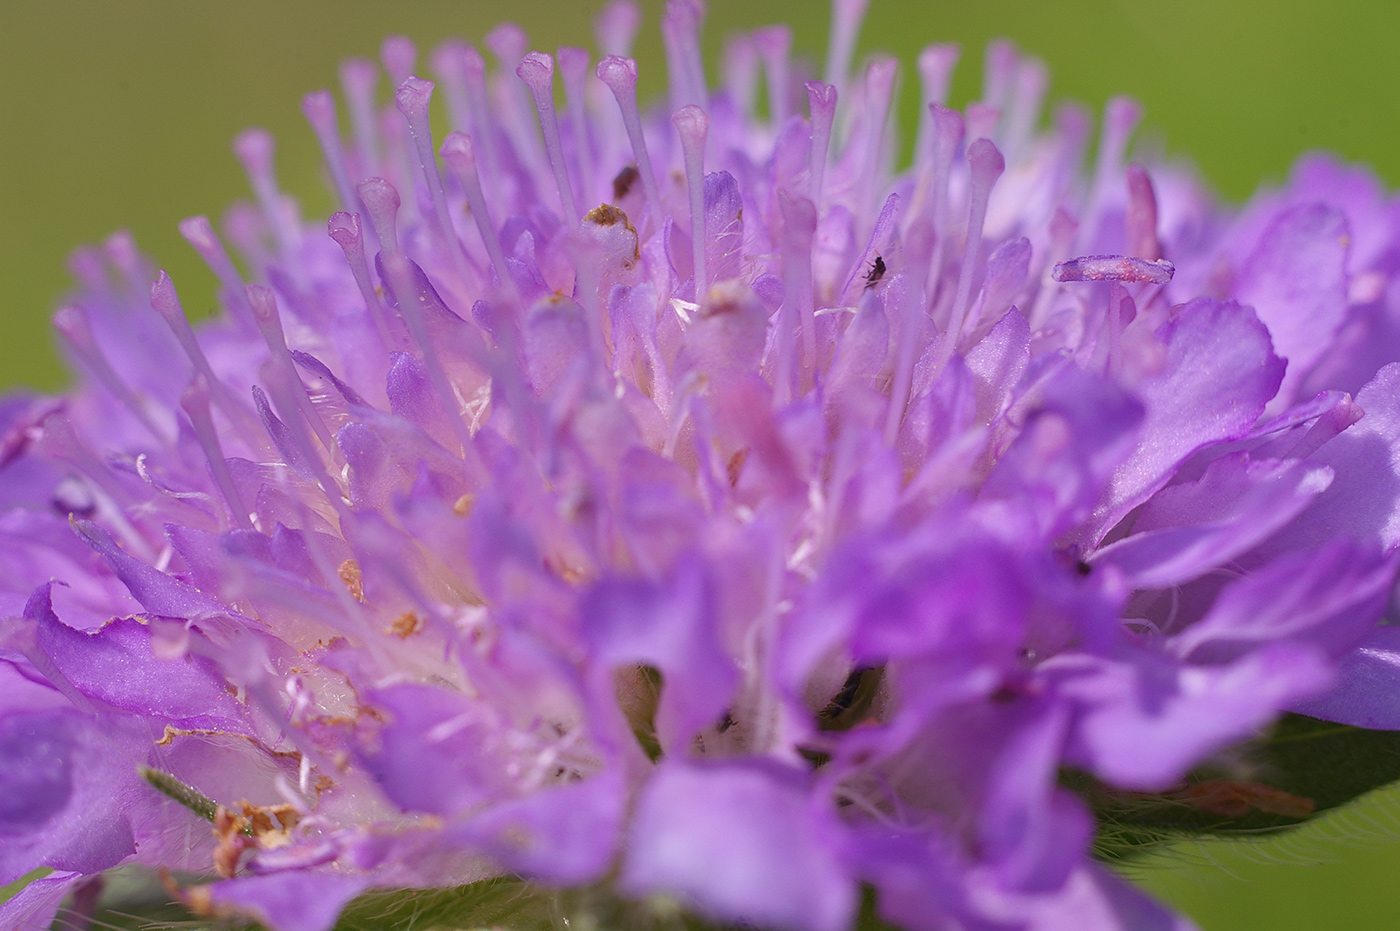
(1296, 281)
(1191, 528)
(1218, 375)
(567, 835)
(741, 842)
(1367, 693)
(668, 626)
(293, 901)
(116, 665)
(1142, 721)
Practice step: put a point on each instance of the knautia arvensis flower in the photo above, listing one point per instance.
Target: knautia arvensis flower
(684, 505)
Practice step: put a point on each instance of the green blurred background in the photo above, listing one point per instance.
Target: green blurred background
(120, 115)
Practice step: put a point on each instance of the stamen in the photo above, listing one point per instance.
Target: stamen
(1120, 118)
(447, 65)
(483, 126)
(412, 99)
(509, 44)
(739, 71)
(947, 136)
(693, 126)
(60, 441)
(936, 63)
(616, 27)
(319, 109)
(1023, 109)
(879, 89)
(264, 304)
(199, 233)
(905, 307)
(1115, 268)
(73, 327)
(982, 120)
(120, 249)
(986, 165)
(998, 72)
(846, 19)
(400, 274)
(358, 80)
(458, 153)
(775, 47)
(1062, 231)
(872, 248)
(573, 66)
(799, 225)
(254, 149)
(381, 202)
(620, 75)
(1141, 221)
(344, 228)
(195, 403)
(537, 71)
(398, 54)
(166, 302)
(680, 32)
(821, 103)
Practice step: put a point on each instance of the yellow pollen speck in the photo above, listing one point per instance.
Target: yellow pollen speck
(405, 625)
(463, 505)
(354, 579)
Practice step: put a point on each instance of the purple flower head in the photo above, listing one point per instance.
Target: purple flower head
(686, 503)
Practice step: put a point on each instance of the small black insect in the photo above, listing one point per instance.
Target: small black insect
(877, 271)
(622, 184)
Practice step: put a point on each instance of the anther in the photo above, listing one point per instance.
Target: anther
(537, 71)
(694, 126)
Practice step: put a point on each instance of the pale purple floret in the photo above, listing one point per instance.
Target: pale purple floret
(717, 512)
